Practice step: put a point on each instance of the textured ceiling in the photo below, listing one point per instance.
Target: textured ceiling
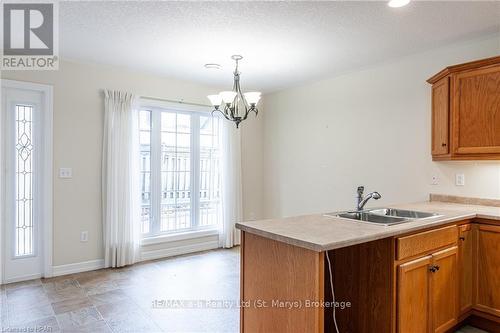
(284, 43)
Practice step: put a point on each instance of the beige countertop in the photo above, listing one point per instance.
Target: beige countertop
(321, 233)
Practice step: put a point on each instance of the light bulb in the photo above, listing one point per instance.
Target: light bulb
(228, 96)
(252, 97)
(398, 3)
(216, 100)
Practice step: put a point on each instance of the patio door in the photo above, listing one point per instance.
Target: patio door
(25, 202)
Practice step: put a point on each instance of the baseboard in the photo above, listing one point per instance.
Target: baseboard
(178, 250)
(145, 255)
(78, 267)
(485, 324)
(478, 319)
(93, 265)
(22, 278)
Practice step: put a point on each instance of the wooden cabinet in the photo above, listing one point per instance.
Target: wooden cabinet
(476, 111)
(465, 267)
(447, 275)
(487, 296)
(466, 111)
(441, 117)
(425, 242)
(412, 296)
(443, 292)
(427, 293)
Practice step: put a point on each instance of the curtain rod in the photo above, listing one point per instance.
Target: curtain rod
(174, 101)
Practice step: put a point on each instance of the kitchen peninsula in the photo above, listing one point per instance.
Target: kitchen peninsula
(425, 275)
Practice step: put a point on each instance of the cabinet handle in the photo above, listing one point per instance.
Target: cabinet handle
(462, 238)
(433, 268)
(443, 144)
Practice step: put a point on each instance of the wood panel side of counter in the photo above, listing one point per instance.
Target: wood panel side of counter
(272, 271)
(362, 276)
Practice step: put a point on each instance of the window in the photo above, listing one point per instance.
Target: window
(24, 181)
(180, 171)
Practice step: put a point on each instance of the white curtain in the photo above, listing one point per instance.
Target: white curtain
(120, 179)
(231, 185)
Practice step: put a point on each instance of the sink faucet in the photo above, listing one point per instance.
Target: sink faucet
(362, 200)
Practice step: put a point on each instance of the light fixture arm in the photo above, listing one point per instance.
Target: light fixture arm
(231, 110)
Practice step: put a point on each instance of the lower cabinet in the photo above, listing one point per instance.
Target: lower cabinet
(427, 295)
(444, 276)
(465, 267)
(443, 290)
(412, 296)
(488, 269)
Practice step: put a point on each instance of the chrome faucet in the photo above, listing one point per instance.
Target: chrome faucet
(362, 200)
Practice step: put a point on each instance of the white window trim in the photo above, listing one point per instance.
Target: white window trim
(156, 106)
(175, 106)
(179, 236)
(47, 191)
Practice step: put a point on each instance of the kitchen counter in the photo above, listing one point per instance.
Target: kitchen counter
(322, 233)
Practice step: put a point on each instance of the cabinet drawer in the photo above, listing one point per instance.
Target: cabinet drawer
(424, 242)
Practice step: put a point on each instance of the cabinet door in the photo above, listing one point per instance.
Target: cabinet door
(488, 269)
(476, 111)
(465, 267)
(440, 117)
(444, 290)
(412, 296)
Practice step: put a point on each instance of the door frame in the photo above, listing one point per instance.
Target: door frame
(47, 182)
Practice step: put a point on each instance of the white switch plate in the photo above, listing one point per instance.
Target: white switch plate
(459, 179)
(65, 173)
(84, 236)
(434, 180)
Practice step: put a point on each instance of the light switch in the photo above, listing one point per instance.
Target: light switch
(84, 236)
(65, 173)
(459, 179)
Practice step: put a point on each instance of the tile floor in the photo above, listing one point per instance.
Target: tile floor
(121, 300)
(132, 299)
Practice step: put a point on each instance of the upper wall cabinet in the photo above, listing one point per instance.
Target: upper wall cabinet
(466, 111)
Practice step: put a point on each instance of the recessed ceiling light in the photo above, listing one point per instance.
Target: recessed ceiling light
(213, 66)
(398, 3)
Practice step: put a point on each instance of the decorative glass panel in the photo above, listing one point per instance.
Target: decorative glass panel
(145, 142)
(175, 168)
(24, 181)
(210, 181)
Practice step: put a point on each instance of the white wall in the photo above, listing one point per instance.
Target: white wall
(370, 127)
(78, 126)
(252, 163)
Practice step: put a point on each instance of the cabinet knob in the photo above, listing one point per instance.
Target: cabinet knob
(434, 268)
(461, 238)
(443, 144)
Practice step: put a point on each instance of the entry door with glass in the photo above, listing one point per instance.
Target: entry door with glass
(22, 159)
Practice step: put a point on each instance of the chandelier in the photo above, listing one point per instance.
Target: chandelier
(234, 105)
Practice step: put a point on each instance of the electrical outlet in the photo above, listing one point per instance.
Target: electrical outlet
(459, 179)
(434, 180)
(65, 173)
(84, 236)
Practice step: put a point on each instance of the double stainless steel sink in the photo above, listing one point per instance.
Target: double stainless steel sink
(384, 216)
